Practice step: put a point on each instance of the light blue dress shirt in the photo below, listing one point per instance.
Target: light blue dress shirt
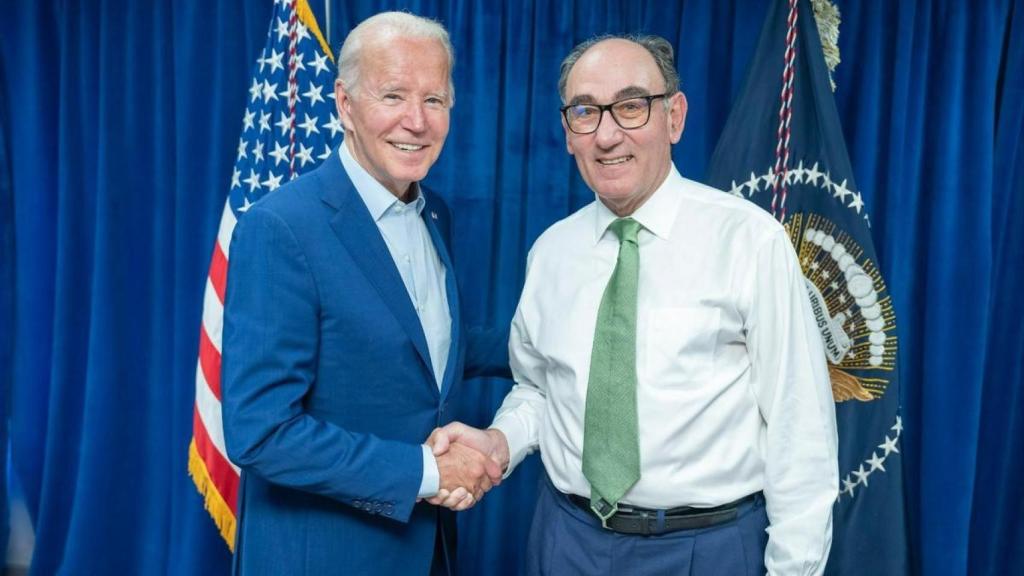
(422, 271)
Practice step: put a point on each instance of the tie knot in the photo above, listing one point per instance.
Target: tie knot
(626, 229)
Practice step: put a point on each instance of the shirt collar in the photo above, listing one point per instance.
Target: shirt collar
(377, 198)
(657, 215)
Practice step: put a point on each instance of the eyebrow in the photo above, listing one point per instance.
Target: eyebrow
(627, 92)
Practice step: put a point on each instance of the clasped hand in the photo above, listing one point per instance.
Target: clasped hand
(470, 462)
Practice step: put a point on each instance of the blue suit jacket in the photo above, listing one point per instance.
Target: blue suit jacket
(328, 389)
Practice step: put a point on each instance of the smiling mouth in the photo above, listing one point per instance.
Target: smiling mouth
(408, 147)
(614, 161)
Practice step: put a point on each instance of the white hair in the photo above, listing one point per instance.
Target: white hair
(387, 26)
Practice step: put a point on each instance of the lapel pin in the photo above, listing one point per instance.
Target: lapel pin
(433, 215)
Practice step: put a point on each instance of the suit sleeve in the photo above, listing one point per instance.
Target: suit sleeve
(270, 353)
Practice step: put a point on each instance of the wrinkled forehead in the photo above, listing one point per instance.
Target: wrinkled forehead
(406, 59)
(613, 69)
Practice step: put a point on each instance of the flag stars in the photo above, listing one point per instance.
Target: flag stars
(813, 175)
(862, 475)
(248, 121)
(849, 485)
(841, 191)
(285, 123)
(889, 446)
(269, 91)
(236, 181)
(752, 184)
(876, 462)
(273, 182)
(858, 202)
(253, 181)
(275, 60)
(242, 145)
(264, 122)
(257, 151)
(334, 126)
(279, 153)
(304, 154)
(255, 90)
(303, 31)
(313, 94)
(326, 153)
(319, 64)
(282, 29)
(309, 125)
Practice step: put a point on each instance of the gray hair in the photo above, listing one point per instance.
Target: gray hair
(386, 26)
(658, 47)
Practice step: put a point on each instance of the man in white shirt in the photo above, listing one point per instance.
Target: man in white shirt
(666, 359)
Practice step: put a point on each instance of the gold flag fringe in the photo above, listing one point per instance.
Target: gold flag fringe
(214, 501)
(307, 17)
(827, 16)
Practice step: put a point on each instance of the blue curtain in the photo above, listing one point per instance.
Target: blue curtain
(121, 122)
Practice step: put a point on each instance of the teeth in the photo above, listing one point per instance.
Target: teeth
(407, 147)
(615, 161)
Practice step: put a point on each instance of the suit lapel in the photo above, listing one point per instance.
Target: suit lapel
(451, 288)
(362, 239)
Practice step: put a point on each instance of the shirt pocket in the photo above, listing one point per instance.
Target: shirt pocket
(681, 345)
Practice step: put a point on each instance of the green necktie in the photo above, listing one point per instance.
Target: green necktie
(611, 446)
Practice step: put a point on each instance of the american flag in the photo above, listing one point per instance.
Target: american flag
(289, 126)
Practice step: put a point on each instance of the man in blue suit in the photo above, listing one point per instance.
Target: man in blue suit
(343, 344)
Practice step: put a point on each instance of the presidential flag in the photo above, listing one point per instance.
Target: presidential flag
(782, 148)
(288, 127)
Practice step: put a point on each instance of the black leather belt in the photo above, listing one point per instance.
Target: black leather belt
(636, 520)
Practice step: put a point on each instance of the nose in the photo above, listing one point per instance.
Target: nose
(415, 118)
(608, 133)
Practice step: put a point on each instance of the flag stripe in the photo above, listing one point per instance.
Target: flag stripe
(213, 316)
(209, 410)
(209, 363)
(221, 472)
(219, 271)
(227, 227)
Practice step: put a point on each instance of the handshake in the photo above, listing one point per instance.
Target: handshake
(470, 462)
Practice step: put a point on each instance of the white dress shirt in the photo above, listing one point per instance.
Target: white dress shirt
(422, 272)
(733, 394)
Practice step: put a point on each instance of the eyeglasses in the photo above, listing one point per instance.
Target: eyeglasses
(628, 113)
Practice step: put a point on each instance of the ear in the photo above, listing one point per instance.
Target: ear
(676, 116)
(343, 102)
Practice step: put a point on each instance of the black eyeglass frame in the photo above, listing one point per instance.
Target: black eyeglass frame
(601, 108)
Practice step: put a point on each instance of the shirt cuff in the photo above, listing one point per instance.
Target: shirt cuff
(517, 436)
(431, 481)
